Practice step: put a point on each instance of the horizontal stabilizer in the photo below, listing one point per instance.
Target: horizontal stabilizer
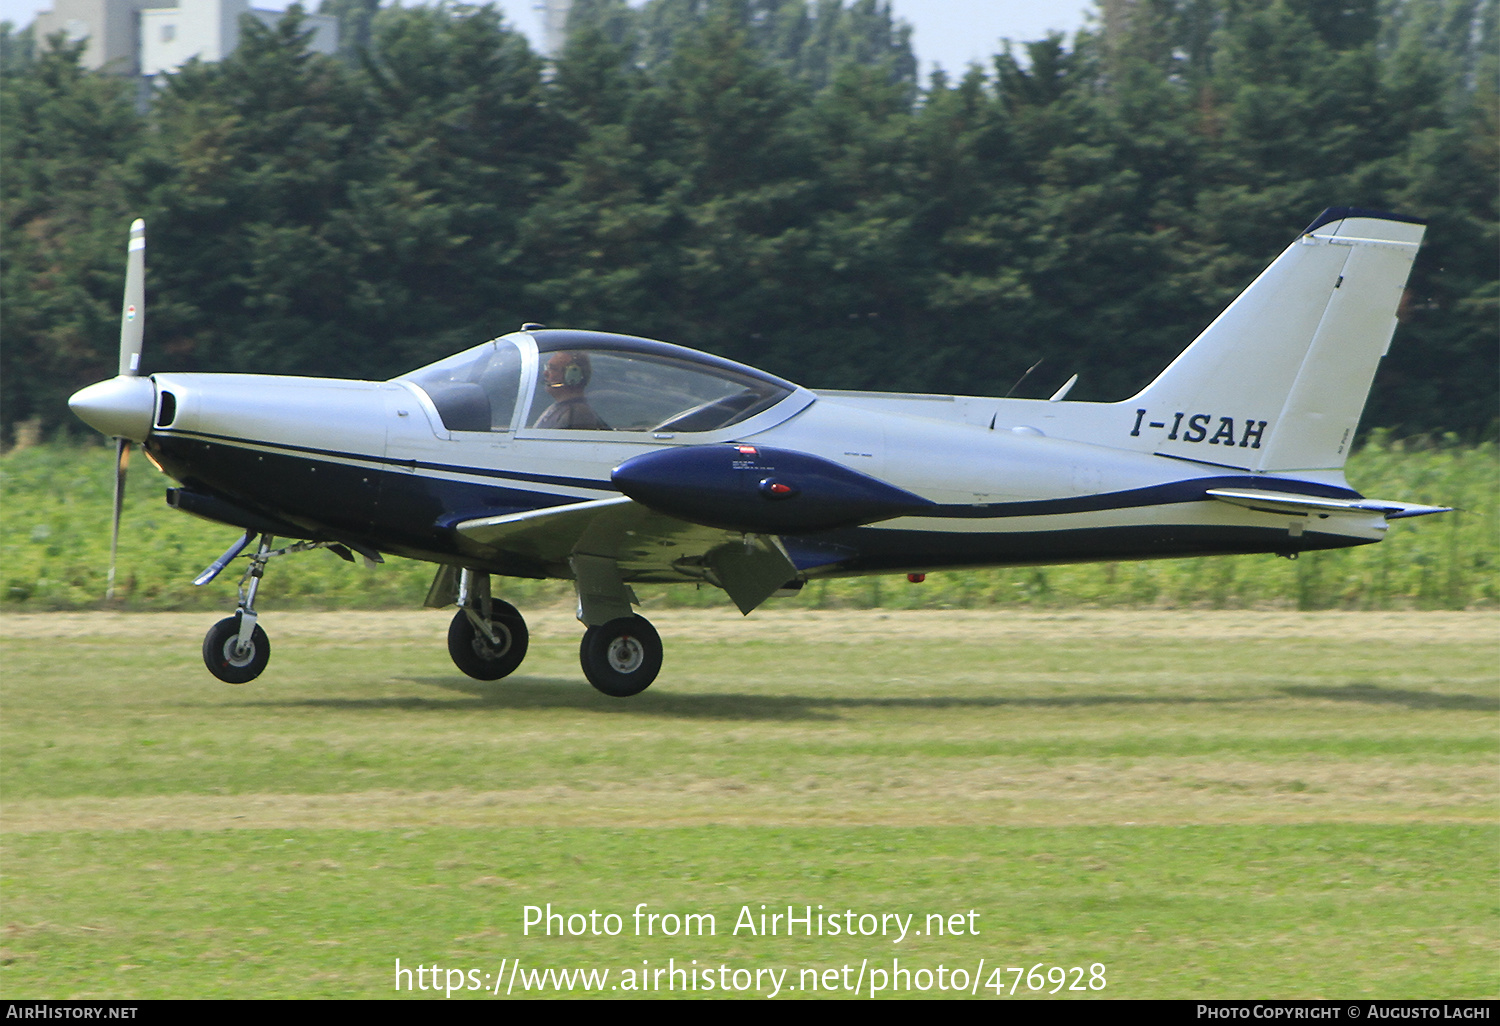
(1303, 505)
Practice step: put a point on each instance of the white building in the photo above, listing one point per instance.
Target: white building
(554, 25)
(112, 28)
(210, 31)
(149, 37)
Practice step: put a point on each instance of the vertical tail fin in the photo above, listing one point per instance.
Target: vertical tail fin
(1278, 381)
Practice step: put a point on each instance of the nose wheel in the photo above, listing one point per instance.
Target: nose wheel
(231, 660)
(622, 657)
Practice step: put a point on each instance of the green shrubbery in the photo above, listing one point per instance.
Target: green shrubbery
(54, 553)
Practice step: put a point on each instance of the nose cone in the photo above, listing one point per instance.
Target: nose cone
(120, 407)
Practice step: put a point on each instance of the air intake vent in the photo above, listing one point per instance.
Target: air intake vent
(167, 411)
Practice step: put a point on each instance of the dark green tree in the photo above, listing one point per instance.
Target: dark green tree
(17, 47)
(807, 39)
(462, 145)
(596, 244)
(252, 159)
(760, 178)
(335, 221)
(67, 199)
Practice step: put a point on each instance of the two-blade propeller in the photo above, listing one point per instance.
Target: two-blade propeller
(132, 336)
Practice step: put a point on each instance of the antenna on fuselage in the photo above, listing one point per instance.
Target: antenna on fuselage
(1023, 377)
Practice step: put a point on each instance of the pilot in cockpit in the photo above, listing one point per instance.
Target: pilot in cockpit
(566, 376)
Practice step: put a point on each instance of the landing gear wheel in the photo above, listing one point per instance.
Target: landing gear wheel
(621, 658)
(224, 657)
(480, 658)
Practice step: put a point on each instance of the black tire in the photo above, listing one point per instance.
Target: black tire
(621, 658)
(223, 660)
(473, 653)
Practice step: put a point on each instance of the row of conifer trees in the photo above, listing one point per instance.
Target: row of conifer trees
(765, 179)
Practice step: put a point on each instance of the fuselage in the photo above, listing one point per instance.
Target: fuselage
(377, 464)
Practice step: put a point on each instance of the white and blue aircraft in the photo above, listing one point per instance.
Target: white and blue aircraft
(614, 461)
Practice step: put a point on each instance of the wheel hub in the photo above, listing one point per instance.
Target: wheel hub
(626, 655)
(485, 650)
(236, 654)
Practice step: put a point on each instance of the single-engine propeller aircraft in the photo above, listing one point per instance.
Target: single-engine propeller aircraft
(614, 461)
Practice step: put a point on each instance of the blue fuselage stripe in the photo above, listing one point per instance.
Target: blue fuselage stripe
(383, 504)
(395, 462)
(1189, 490)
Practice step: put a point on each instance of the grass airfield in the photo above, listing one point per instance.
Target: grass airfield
(1209, 804)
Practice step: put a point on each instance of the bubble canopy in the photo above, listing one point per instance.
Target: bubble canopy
(594, 381)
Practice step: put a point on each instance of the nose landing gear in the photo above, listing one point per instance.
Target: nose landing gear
(236, 649)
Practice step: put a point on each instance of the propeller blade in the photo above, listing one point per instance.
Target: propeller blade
(122, 463)
(133, 311)
(132, 334)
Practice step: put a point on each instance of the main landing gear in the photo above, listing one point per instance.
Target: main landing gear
(620, 652)
(487, 638)
(622, 657)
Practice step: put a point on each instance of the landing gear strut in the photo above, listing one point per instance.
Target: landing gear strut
(487, 638)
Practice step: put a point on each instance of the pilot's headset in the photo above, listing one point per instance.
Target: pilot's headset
(567, 370)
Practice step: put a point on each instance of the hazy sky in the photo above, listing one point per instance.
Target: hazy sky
(948, 32)
(954, 33)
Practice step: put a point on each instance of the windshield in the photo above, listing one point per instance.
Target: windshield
(476, 389)
(609, 389)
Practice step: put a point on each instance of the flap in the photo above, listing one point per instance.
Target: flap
(646, 546)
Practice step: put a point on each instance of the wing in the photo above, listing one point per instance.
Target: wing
(1305, 505)
(644, 546)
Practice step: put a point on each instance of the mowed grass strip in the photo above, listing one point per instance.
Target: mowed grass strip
(913, 718)
(1211, 804)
